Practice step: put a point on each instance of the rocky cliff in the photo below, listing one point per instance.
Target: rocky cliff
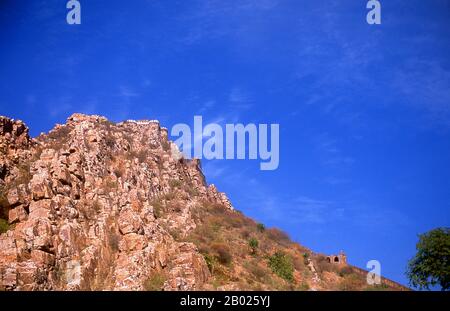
(94, 205)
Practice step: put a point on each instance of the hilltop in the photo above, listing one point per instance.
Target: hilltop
(97, 205)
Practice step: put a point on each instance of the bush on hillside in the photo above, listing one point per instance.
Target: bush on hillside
(282, 266)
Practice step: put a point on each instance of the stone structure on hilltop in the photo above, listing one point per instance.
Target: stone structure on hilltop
(340, 259)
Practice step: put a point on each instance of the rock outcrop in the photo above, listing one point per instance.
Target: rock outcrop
(84, 202)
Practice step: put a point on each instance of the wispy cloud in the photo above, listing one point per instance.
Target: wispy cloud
(330, 152)
(215, 19)
(206, 106)
(60, 107)
(309, 210)
(240, 99)
(127, 92)
(214, 169)
(333, 180)
(426, 85)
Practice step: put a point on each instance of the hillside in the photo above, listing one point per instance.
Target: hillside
(94, 205)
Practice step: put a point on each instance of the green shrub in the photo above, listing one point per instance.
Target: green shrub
(282, 266)
(261, 227)
(4, 226)
(253, 243)
(211, 262)
(155, 282)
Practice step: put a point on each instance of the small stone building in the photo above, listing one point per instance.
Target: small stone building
(340, 259)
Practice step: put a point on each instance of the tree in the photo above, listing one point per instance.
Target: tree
(431, 265)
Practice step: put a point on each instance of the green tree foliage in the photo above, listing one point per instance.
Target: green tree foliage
(431, 265)
(282, 266)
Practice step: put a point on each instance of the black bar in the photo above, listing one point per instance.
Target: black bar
(130, 301)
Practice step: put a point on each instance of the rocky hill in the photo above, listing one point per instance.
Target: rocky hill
(94, 205)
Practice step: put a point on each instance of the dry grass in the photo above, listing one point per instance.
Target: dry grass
(155, 281)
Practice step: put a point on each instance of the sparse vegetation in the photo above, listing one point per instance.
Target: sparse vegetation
(191, 190)
(110, 184)
(256, 270)
(155, 282)
(23, 177)
(118, 171)
(96, 206)
(142, 156)
(175, 183)
(306, 258)
(352, 282)
(303, 287)
(222, 253)
(110, 141)
(4, 226)
(113, 241)
(344, 271)
(157, 210)
(253, 243)
(211, 261)
(4, 204)
(261, 227)
(278, 236)
(165, 145)
(59, 137)
(322, 265)
(380, 287)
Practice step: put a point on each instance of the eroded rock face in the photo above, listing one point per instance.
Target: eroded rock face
(91, 205)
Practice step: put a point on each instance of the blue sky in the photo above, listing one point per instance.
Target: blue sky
(364, 111)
